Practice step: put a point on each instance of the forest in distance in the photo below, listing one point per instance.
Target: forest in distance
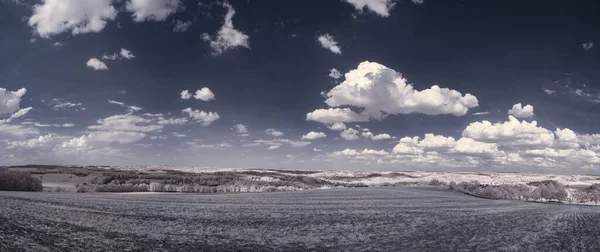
(111, 179)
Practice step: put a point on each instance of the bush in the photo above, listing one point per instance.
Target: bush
(19, 181)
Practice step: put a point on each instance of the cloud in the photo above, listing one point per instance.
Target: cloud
(185, 95)
(417, 1)
(171, 121)
(511, 132)
(152, 10)
(181, 26)
(241, 129)
(380, 90)
(227, 37)
(334, 73)
(381, 7)
(123, 54)
(204, 94)
(60, 104)
(129, 108)
(117, 136)
(96, 64)
(202, 117)
(17, 130)
(364, 152)
(338, 126)
(467, 145)
(126, 54)
(277, 142)
(328, 42)
(336, 115)
(521, 112)
(33, 143)
(549, 91)
(175, 134)
(55, 125)
(367, 134)
(274, 132)
(588, 46)
(10, 100)
(383, 136)
(273, 147)
(432, 141)
(313, 135)
(19, 113)
(78, 16)
(292, 143)
(125, 123)
(349, 134)
(113, 56)
(481, 113)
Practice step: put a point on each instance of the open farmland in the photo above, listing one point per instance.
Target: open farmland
(353, 219)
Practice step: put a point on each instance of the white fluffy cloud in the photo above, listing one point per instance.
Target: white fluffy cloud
(204, 94)
(313, 135)
(381, 7)
(467, 145)
(123, 54)
(204, 118)
(126, 54)
(126, 123)
(511, 132)
(152, 10)
(227, 37)
(383, 136)
(185, 95)
(549, 91)
(432, 141)
(274, 132)
(33, 143)
(336, 115)
(78, 16)
(521, 111)
(10, 100)
(367, 134)
(349, 134)
(364, 152)
(338, 126)
(241, 129)
(96, 64)
(334, 73)
(380, 90)
(328, 42)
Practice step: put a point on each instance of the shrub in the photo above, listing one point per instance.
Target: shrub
(19, 181)
(436, 182)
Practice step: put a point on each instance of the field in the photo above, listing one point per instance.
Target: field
(351, 219)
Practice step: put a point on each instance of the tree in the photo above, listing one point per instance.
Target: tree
(536, 194)
(19, 181)
(561, 194)
(548, 191)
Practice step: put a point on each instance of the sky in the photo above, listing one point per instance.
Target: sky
(427, 85)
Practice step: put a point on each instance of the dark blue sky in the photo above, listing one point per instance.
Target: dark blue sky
(267, 69)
